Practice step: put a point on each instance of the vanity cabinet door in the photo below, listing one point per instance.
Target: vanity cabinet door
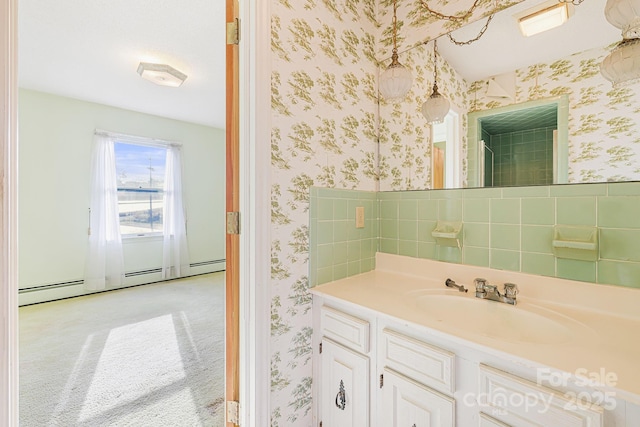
(345, 386)
(407, 403)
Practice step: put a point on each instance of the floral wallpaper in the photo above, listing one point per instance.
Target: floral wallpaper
(326, 56)
(604, 139)
(324, 133)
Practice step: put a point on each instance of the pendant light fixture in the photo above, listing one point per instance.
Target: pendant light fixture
(622, 65)
(436, 107)
(396, 80)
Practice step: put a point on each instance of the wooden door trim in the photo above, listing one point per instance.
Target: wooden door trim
(232, 197)
(8, 214)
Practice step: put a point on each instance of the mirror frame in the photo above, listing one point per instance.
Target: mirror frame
(473, 178)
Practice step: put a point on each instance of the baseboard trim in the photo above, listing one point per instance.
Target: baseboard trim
(129, 274)
(71, 289)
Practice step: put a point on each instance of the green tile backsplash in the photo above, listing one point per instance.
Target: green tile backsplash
(504, 231)
(338, 249)
(500, 229)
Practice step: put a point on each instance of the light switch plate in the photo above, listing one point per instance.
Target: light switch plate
(360, 217)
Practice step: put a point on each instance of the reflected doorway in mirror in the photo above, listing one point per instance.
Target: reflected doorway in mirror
(519, 145)
(446, 158)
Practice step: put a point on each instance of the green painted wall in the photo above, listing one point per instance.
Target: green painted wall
(55, 140)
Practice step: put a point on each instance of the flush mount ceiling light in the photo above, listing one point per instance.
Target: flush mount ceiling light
(437, 106)
(396, 80)
(622, 65)
(161, 74)
(543, 17)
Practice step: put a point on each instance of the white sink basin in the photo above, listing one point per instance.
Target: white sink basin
(526, 323)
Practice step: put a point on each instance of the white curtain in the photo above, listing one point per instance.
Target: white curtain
(175, 254)
(105, 264)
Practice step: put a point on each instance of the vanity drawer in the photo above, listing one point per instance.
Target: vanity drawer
(425, 363)
(522, 403)
(345, 329)
(487, 421)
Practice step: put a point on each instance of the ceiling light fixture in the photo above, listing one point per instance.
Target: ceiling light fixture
(622, 65)
(543, 17)
(161, 74)
(396, 80)
(437, 106)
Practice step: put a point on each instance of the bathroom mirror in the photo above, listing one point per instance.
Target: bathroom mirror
(504, 69)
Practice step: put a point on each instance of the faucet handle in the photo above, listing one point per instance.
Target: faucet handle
(480, 284)
(510, 290)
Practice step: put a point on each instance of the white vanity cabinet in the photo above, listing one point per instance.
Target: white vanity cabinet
(487, 421)
(344, 363)
(374, 371)
(345, 386)
(521, 403)
(408, 403)
(415, 378)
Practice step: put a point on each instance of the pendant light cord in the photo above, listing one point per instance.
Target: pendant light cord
(453, 18)
(435, 61)
(435, 67)
(476, 38)
(395, 28)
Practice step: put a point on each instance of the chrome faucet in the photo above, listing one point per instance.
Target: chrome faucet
(486, 291)
(452, 284)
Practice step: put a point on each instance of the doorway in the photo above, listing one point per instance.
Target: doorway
(520, 144)
(255, 186)
(55, 153)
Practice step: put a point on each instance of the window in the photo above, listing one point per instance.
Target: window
(140, 173)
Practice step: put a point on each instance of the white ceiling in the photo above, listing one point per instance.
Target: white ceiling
(90, 50)
(503, 48)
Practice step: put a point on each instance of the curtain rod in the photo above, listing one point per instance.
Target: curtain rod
(138, 139)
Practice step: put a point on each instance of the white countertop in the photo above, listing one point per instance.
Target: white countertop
(603, 320)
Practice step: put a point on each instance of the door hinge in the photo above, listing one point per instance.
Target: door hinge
(233, 412)
(233, 222)
(233, 32)
(320, 348)
(381, 380)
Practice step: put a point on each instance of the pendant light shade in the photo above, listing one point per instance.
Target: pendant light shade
(625, 15)
(622, 65)
(395, 81)
(437, 106)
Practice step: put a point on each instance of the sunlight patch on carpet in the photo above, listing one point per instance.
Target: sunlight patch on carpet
(137, 361)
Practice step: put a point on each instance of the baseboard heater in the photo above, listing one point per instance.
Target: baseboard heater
(130, 274)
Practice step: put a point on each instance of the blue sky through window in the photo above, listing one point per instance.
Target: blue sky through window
(139, 165)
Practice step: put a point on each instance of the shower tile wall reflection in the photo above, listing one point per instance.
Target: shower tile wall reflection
(519, 158)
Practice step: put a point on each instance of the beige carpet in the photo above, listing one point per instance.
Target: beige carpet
(146, 356)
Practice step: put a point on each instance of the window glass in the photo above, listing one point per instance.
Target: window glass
(140, 171)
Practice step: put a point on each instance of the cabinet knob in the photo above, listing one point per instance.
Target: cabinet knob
(341, 400)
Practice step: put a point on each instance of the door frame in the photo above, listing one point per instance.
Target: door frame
(255, 131)
(255, 207)
(8, 214)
